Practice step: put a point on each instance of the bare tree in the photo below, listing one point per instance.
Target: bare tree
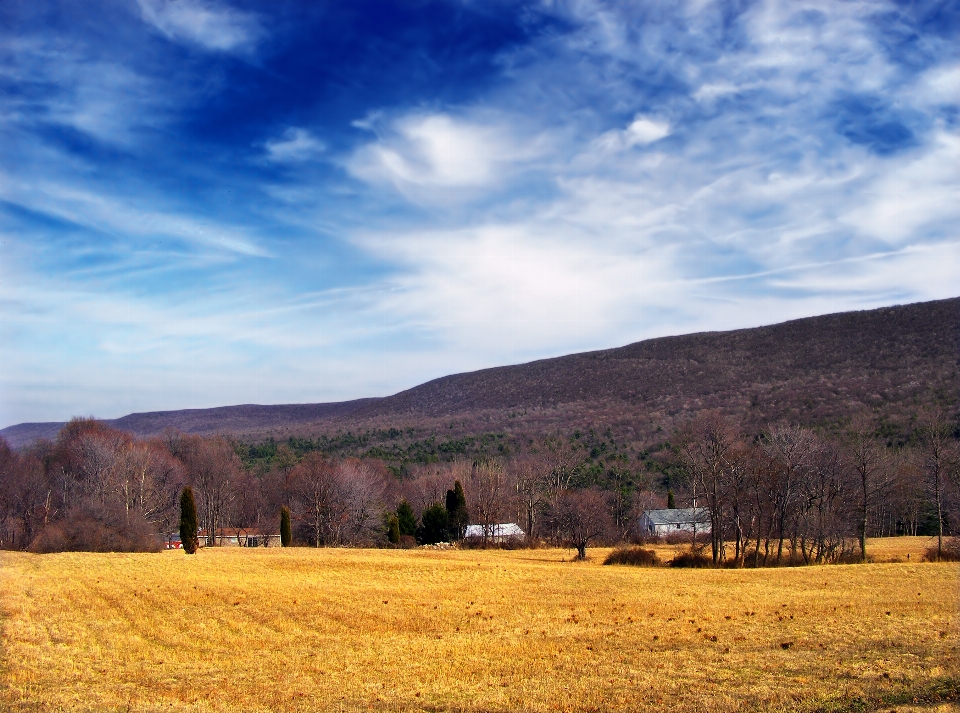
(487, 495)
(147, 479)
(822, 522)
(562, 460)
(937, 460)
(28, 497)
(789, 449)
(531, 477)
(427, 485)
(315, 484)
(710, 449)
(579, 516)
(358, 502)
(340, 501)
(902, 511)
(212, 466)
(868, 464)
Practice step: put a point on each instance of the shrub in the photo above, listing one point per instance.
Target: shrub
(286, 533)
(691, 558)
(188, 521)
(950, 552)
(508, 543)
(636, 556)
(85, 530)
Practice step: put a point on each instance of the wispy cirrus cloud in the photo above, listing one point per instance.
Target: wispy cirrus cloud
(210, 25)
(373, 202)
(116, 216)
(294, 146)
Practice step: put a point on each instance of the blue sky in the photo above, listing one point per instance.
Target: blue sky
(206, 202)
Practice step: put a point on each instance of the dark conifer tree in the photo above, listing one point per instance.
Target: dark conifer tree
(393, 530)
(286, 532)
(406, 520)
(457, 511)
(671, 503)
(188, 521)
(435, 525)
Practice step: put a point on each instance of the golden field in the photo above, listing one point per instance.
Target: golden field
(423, 630)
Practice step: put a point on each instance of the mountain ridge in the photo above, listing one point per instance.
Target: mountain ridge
(813, 369)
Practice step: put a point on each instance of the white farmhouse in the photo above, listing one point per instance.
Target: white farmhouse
(657, 523)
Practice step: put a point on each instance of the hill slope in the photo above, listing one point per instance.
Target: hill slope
(815, 370)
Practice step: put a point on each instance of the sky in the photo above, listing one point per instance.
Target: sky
(213, 202)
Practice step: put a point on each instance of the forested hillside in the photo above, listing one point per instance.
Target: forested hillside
(818, 371)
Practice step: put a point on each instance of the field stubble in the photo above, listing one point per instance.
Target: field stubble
(350, 630)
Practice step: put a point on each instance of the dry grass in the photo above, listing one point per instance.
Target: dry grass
(899, 549)
(884, 549)
(352, 630)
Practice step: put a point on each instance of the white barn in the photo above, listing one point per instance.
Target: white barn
(495, 533)
(657, 523)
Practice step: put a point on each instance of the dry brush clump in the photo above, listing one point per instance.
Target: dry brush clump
(946, 551)
(636, 556)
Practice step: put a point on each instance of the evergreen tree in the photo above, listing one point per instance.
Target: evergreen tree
(393, 530)
(406, 520)
(457, 511)
(671, 503)
(188, 521)
(435, 525)
(286, 533)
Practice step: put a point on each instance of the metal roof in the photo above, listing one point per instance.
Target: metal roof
(509, 529)
(678, 516)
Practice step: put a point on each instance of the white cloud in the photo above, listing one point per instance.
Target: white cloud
(640, 132)
(421, 153)
(509, 288)
(914, 197)
(203, 23)
(711, 91)
(646, 131)
(940, 85)
(296, 145)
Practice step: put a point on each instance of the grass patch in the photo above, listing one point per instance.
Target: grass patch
(419, 630)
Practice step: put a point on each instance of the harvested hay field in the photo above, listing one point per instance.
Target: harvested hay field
(357, 630)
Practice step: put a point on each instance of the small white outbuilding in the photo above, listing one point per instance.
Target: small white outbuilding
(658, 523)
(495, 533)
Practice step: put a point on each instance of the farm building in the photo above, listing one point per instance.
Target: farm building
(495, 533)
(657, 523)
(246, 537)
(229, 537)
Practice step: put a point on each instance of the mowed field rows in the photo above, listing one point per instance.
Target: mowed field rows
(353, 630)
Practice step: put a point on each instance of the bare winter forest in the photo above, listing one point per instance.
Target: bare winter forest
(801, 440)
(782, 495)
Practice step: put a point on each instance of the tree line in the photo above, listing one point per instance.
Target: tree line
(784, 495)
(795, 495)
